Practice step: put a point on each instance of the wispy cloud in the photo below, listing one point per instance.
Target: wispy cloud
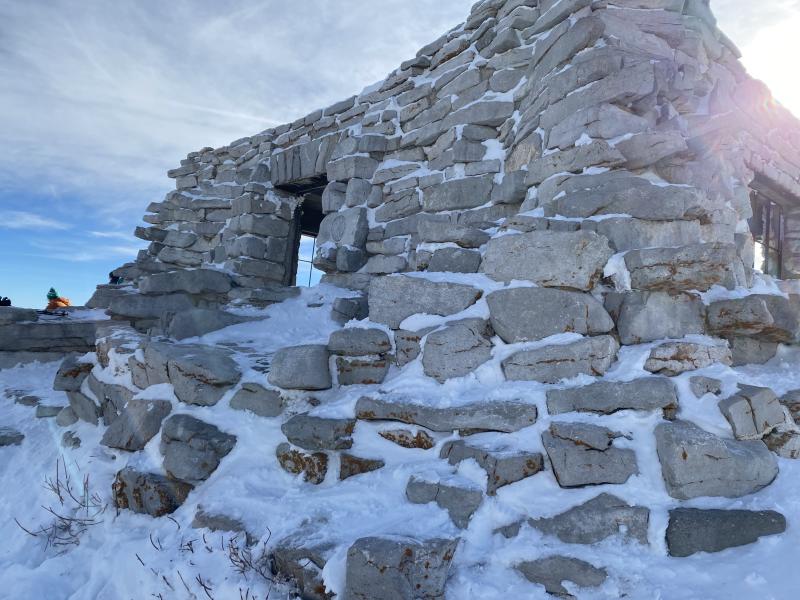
(19, 219)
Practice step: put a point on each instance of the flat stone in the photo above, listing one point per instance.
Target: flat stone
(359, 342)
(83, 407)
(503, 467)
(460, 501)
(398, 568)
(66, 417)
(694, 267)
(193, 449)
(531, 314)
(456, 350)
(301, 368)
(582, 454)
(319, 433)
(643, 317)
(693, 530)
(753, 412)
(674, 358)
(697, 463)
(44, 411)
(751, 351)
(313, 467)
(258, 400)
(361, 370)
(351, 465)
(148, 493)
(190, 281)
(405, 438)
(200, 321)
(701, 385)
(455, 260)
(493, 415)
(137, 424)
(13, 314)
(551, 364)
(548, 258)
(71, 374)
(10, 437)
(200, 374)
(438, 232)
(597, 519)
(770, 318)
(552, 571)
(392, 299)
(607, 397)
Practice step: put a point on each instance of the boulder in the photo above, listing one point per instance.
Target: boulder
(148, 493)
(405, 438)
(551, 364)
(457, 349)
(595, 520)
(200, 321)
(768, 318)
(550, 572)
(492, 415)
(548, 258)
(607, 397)
(137, 424)
(398, 568)
(10, 437)
(693, 530)
(503, 467)
(313, 467)
(193, 449)
(753, 412)
(693, 267)
(359, 342)
(71, 374)
(361, 370)
(351, 465)
(459, 499)
(319, 433)
(643, 317)
(301, 368)
(674, 358)
(392, 299)
(258, 400)
(697, 463)
(583, 454)
(189, 281)
(531, 314)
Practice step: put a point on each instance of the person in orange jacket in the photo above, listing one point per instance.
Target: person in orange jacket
(55, 302)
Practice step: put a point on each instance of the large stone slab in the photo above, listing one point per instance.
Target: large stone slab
(139, 306)
(674, 358)
(583, 454)
(770, 318)
(456, 350)
(393, 299)
(548, 258)
(753, 412)
(190, 281)
(136, 425)
(459, 500)
(649, 316)
(148, 493)
(502, 467)
(493, 415)
(319, 433)
(531, 314)
(301, 368)
(551, 364)
(693, 530)
(695, 267)
(607, 397)
(398, 568)
(47, 337)
(12, 314)
(552, 571)
(697, 463)
(192, 448)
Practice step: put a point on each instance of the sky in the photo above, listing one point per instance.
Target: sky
(99, 99)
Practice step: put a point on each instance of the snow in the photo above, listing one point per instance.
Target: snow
(249, 484)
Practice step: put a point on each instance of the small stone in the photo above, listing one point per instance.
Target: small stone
(753, 412)
(701, 385)
(455, 260)
(258, 400)
(457, 349)
(361, 370)
(70, 440)
(460, 501)
(313, 467)
(216, 522)
(550, 364)
(359, 342)
(148, 493)
(301, 368)
(785, 444)
(66, 417)
(502, 467)
(71, 374)
(350, 465)
(84, 408)
(43, 411)
(693, 530)
(136, 425)
(550, 572)
(301, 561)
(193, 449)
(674, 358)
(319, 433)
(607, 397)
(10, 437)
(407, 439)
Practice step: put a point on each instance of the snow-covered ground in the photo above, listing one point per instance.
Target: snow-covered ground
(129, 556)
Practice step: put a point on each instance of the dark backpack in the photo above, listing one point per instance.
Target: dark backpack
(5, 301)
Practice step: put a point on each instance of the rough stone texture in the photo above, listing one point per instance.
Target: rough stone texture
(551, 364)
(692, 530)
(148, 493)
(351, 465)
(753, 412)
(12, 314)
(313, 467)
(361, 370)
(548, 258)
(769, 318)
(298, 560)
(219, 522)
(44, 411)
(606, 397)
(393, 299)
(258, 400)
(784, 443)
(318, 433)
(200, 321)
(457, 349)
(695, 267)
(10, 437)
(190, 281)
(71, 374)
(531, 314)
(493, 415)
(301, 368)
(674, 358)
(136, 425)
(458, 194)
(552, 571)
(455, 260)
(502, 467)
(83, 407)
(359, 342)
(791, 400)
(751, 351)
(70, 440)
(597, 519)
(459, 500)
(398, 568)
(701, 386)
(193, 449)
(66, 417)
(697, 463)
(405, 438)
(649, 316)
(582, 454)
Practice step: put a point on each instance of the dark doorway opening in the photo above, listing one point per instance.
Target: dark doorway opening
(768, 226)
(307, 219)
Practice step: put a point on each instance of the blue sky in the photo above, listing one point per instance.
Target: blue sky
(99, 99)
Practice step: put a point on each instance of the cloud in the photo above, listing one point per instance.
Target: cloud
(18, 219)
(741, 20)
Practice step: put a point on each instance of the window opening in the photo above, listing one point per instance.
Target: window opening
(307, 219)
(768, 226)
